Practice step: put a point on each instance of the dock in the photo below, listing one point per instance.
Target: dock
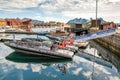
(2, 39)
(20, 32)
(111, 43)
(94, 59)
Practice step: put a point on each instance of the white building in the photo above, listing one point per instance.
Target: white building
(47, 27)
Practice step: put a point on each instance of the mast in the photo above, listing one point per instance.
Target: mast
(96, 11)
(94, 49)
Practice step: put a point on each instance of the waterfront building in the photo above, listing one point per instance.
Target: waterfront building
(107, 25)
(3, 23)
(61, 25)
(26, 24)
(60, 29)
(118, 28)
(94, 21)
(14, 23)
(47, 26)
(76, 28)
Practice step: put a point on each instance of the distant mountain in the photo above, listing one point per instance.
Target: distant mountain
(78, 20)
(26, 19)
(37, 21)
(102, 20)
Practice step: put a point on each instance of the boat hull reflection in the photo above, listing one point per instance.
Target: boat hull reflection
(26, 58)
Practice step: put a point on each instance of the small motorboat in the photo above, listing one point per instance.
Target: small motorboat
(40, 48)
(2, 30)
(81, 44)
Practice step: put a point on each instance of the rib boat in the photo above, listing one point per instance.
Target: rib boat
(40, 48)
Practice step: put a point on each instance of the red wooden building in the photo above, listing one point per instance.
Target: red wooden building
(108, 25)
(14, 23)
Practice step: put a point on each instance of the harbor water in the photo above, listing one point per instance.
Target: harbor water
(20, 66)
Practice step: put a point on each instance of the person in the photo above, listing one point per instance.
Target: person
(51, 48)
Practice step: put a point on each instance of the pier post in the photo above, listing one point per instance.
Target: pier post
(14, 37)
(37, 36)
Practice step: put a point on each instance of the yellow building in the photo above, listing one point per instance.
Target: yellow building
(3, 22)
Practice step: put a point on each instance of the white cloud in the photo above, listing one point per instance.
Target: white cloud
(70, 9)
(102, 69)
(114, 0)
(114, 78)
(48, 18)
(87, 74)
(18, 5)
(77, 71)
(69, 5)
(77, 14)
(21, 66)
(66, 8)
(13, 10)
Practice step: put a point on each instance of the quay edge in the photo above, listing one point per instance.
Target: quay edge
(109, 45)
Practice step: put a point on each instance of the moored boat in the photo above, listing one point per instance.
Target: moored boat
(2, 30)
(81, 44)
(40, 48)
(59, 33)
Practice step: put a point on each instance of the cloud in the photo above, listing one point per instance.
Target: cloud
(79, 8)
(66, 5)
(56, 5)
(114, 78)
(12, 10)
(114, 0)
(49, 18)
(18, 5)
(78, 14)
(87, 74)
(77, 71)
(63, 8)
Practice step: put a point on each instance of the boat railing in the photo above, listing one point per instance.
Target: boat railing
(32, 39)
(30, 43)
(41, 47)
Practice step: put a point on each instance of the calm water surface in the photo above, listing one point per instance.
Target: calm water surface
(18, 66)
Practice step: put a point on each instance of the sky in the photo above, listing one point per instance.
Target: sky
(60, 10)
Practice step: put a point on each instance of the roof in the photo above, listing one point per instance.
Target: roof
(2, 19)
(26, 21)
(107, 23)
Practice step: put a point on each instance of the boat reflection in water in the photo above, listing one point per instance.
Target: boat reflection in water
(42, 61)
(20, 66)
(26, 58)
